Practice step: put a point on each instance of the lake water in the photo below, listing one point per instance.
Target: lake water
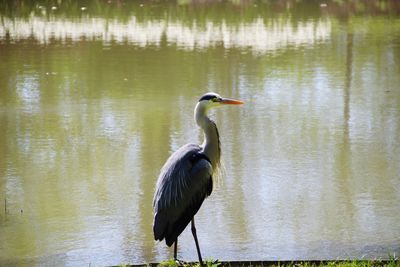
(95, 97)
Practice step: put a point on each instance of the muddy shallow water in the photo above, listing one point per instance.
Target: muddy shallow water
(95, 98)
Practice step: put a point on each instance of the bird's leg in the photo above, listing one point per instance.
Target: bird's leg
(197, 242)
(178, 262)
(175, 249)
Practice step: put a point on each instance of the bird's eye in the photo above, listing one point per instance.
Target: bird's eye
(215, 99)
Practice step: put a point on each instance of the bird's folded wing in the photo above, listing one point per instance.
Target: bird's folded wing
(185, 181)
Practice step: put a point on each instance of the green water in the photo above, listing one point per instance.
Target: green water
(95, 95)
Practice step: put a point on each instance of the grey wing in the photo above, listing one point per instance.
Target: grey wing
(184, 182)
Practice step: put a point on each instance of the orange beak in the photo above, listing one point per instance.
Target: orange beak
(230, 101)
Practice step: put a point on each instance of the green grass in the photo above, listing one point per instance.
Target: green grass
(173, 263)
(391, 262)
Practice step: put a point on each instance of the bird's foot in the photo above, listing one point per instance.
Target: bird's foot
(181, 262)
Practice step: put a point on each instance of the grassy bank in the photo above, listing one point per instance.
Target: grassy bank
(393, 262)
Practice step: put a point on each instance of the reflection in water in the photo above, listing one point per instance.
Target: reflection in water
(87, 121)
(257, 35)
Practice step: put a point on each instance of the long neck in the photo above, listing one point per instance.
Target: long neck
(211, 144)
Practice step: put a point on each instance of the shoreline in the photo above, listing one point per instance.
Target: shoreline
(348, 262)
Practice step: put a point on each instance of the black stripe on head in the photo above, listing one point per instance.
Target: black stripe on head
(209, 96)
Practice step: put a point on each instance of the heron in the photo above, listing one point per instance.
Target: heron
(186, 178)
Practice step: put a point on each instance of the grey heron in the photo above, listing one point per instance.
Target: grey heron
(186, 178)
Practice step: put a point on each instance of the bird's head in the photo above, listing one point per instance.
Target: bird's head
(212, 100)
